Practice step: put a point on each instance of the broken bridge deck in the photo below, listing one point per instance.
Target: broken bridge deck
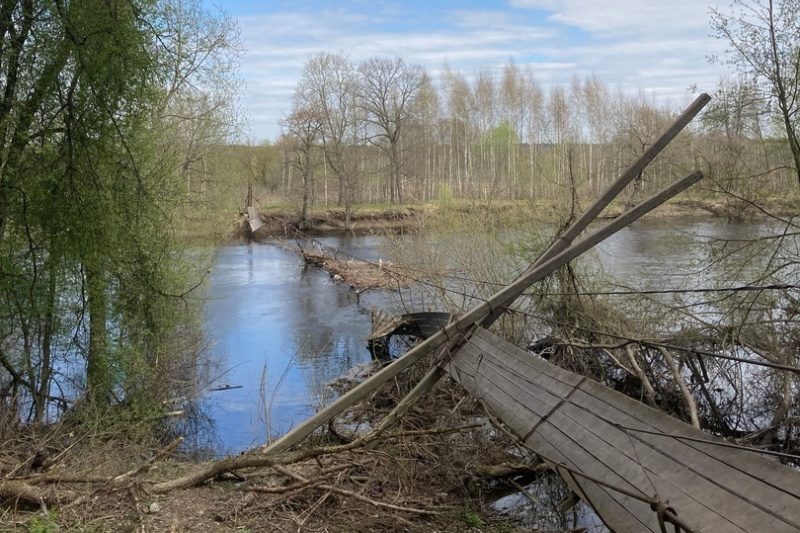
(622, 456)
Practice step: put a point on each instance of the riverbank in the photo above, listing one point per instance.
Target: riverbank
(438, 470)
(281, 219)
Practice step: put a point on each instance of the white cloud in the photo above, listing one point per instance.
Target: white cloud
(624, 16)
(633, 44)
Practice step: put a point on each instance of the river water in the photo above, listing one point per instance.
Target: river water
(281, 331)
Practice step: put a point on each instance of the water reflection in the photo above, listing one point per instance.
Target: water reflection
(281, 331)
(541, 507)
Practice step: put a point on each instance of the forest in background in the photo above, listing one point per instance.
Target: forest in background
(391, 134)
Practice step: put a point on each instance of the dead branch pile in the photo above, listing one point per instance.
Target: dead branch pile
(419, 475)
(358, 273)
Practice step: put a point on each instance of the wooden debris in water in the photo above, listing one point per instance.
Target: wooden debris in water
(357, 273)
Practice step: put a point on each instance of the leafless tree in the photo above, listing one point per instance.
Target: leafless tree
(387, 90)
(329, 86)
(763, 40)
(302, 130)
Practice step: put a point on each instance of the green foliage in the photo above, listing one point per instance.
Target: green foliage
(445, 194)
(45, 522)
(503, 135)
(90, 187)
(472, 519)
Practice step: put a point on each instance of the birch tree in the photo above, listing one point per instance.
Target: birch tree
(764, 41)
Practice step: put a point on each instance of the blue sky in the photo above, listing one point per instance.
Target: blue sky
(656, 46)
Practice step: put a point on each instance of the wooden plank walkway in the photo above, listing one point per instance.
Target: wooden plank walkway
(612, 441)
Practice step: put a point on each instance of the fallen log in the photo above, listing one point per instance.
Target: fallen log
(21, 492)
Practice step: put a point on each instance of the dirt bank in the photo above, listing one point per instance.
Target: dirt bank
(284, 221)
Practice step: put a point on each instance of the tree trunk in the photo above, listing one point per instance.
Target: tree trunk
(43, 393)
(98, 372)
(306, 194)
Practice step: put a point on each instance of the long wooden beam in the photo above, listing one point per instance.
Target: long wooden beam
(560, 244)
(500, 299)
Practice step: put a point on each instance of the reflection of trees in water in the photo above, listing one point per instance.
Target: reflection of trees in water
(202, 441)
(326, 332)
(543, 507)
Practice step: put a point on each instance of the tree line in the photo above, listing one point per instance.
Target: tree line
(384, 130)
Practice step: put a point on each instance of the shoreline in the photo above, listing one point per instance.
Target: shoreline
(283, 221)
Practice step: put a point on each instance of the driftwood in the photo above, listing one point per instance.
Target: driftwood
(19, 491)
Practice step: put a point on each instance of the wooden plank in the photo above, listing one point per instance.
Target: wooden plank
(618, 506)
(780, 483)
(704, 462)
(253, 218)
(580, 420)
(641, 416)
(605, 452)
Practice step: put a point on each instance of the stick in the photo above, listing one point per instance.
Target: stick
(29, 494)
(161, 454)
(357, 496)
(691, 405)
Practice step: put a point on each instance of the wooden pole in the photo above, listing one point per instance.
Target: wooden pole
(613, 190)
(500, 299)
(565, 240)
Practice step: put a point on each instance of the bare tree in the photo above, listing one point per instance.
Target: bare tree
(763, 40)
(328, 85)
(387, 90)
(302, 131)
(460, 106)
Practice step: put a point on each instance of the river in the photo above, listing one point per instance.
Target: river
(281, 331)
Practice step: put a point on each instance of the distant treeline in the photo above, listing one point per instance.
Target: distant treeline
(506, 136)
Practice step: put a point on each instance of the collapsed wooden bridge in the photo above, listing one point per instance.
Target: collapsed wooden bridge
(639, 468)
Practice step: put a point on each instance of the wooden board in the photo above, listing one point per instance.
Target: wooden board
(253, 219)
(575, 421)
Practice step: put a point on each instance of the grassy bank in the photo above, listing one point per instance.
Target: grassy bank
(282, 218)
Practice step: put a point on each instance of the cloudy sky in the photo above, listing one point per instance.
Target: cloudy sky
(659, 47)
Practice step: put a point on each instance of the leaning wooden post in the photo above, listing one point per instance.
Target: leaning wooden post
(560, 244)
(500, 299)
(614, 189)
